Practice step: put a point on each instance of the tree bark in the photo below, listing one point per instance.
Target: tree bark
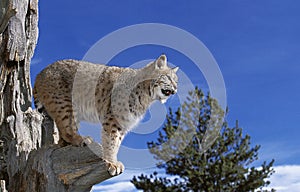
(29, 159)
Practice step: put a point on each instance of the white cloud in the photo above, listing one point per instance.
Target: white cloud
(35, 61)
(285, 179)
(122, 182)
(124, 186)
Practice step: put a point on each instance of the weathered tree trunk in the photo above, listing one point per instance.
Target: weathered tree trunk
(29, 161)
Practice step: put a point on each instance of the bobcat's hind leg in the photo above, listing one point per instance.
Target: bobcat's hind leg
(112, 137)
(68, 129)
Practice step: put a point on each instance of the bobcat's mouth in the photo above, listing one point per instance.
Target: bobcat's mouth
(167, 92)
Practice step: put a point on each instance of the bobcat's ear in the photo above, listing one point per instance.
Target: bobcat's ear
(175, 69)
(161, 62)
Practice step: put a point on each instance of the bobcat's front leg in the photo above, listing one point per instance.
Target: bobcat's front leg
(112, 137)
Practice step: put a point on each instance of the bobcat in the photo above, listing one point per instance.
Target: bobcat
(71, 91)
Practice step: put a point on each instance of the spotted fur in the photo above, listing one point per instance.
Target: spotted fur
(71, 91)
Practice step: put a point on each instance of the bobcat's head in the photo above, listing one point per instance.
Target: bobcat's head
(165, 82)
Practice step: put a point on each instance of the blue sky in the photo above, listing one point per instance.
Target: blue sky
(255, 43)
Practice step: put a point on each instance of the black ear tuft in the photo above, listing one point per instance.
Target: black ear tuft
(175, 69)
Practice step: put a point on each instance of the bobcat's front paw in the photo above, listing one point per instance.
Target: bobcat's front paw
(115, 168)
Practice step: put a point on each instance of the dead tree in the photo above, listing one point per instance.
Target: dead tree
(29, 159)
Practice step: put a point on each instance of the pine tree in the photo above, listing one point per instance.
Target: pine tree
(205, 154)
